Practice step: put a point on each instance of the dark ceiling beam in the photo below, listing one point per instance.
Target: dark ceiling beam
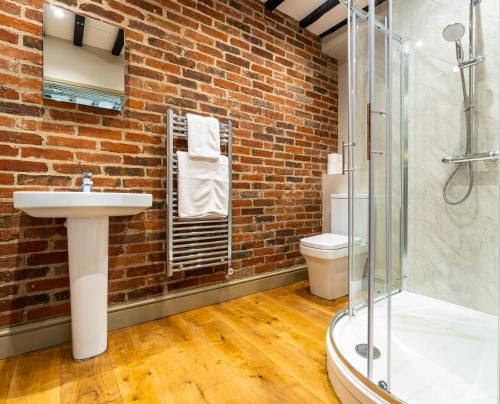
(336, 27)
(315, 15)
(119, 42)
(79, 28)
(343, 23)
(272, 4)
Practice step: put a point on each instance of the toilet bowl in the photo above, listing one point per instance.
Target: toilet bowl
(326, 254)
(326, 257)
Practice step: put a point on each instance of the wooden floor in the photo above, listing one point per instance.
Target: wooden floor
(264, 348)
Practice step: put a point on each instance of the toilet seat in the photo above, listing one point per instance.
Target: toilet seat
(330, 246)
(323, 254)
(326, 241)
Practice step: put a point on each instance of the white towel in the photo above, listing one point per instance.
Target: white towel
(203, 136)
(203, 186)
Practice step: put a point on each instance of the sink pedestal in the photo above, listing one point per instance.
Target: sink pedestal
(87, 220)
(88, 277)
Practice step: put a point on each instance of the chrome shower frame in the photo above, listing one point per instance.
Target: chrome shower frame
(385, 29)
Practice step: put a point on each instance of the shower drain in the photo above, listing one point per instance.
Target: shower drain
(362, 350)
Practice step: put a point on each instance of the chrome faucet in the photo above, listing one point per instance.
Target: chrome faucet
(86, 182)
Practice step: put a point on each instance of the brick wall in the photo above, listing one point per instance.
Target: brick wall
(226, 58)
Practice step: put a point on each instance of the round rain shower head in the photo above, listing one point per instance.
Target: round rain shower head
(453, 32)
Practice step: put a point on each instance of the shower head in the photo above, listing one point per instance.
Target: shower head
(453, 32)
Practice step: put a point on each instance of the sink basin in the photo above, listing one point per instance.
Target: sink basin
(87, 220)
(81, 204)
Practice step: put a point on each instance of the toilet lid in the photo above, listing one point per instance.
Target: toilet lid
(328, 241)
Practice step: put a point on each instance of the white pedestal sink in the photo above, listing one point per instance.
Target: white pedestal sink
(87, 220)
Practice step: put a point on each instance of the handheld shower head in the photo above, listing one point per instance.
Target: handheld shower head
(453, 33)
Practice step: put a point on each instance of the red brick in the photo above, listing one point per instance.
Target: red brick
(48, 154)
(100, 133)
(47, 284)
(8, 36)
(93, 157)
(23, 166)
(74, 143)
(74, 117)
(24, 26)
(120, 147)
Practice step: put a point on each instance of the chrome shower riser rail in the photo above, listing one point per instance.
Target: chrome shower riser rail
(199, 242)
(488, 157)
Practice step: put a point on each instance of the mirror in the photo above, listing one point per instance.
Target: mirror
(83, 60)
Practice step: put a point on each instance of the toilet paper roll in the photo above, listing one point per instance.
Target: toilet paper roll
(334, 163)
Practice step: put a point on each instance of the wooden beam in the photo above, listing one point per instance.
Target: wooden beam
(79, 28)
(343, 23)
(316, 14)
(119, 42)
(272, 4)
(331, 30)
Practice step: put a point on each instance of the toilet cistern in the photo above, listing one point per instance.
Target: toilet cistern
(87, 221)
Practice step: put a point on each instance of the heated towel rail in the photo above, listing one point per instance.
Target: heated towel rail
(195, 243)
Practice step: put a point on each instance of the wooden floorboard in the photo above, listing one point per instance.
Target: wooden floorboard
(37, 378)
(264, 348)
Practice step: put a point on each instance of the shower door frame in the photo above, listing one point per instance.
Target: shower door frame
(354, 13)
(389, 35)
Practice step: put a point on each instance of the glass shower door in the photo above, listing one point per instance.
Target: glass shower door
(379, 154)
(376, 151)
(367, 189)
(387, 151)
(358, 163)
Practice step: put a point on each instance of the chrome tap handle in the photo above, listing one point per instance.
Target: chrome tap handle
(87, 182)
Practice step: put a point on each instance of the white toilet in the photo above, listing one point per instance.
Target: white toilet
(326, 254)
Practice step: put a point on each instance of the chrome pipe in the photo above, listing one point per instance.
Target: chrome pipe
(187, 239)
(170, 189)
(388, 187)
(472, 157)
(351, 46)
(202, 265)
(199, 255)
(181, 264)
(371, 190)
(230, 270)
(200, 250)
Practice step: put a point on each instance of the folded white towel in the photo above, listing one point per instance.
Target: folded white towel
(203, 186)
(203, 136)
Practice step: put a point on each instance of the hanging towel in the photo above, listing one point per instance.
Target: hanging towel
(203, 186)
(203, 136)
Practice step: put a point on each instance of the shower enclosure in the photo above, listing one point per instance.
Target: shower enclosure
(421, 326)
